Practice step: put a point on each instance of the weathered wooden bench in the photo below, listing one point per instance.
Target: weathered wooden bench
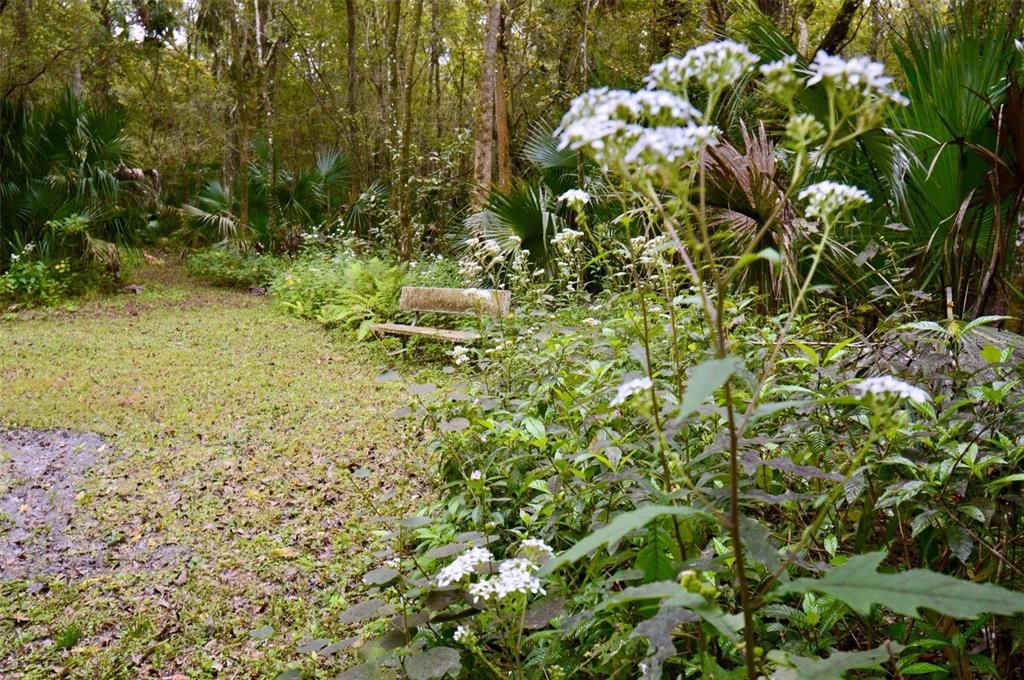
(462, 301)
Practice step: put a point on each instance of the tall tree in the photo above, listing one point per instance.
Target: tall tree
(491, 161)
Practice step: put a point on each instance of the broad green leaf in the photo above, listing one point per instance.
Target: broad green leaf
(859, 584)
(704, 379)
(654, 558)
(534, 427)
(674, 595)
(381, 576)
(436, 662)
(616, 529)
(836, 666)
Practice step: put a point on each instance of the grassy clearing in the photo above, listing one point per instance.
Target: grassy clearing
(234, 432)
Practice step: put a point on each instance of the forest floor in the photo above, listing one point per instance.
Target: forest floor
(177, 497)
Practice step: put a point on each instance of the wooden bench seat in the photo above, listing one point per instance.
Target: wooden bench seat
(459, 301)
(426, 332)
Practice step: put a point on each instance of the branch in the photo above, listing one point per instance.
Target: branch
(38, 74)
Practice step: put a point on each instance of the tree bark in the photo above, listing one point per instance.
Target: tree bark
(404, 211)
(838, 33)
(490, 160)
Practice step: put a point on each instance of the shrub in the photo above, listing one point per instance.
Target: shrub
(340, 290)
(34, 282)
(227, 267)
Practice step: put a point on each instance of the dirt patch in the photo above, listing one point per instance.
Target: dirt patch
(38, 476)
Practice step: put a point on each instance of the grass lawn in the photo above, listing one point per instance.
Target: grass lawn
(224, 500)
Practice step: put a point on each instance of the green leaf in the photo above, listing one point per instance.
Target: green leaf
(836, 666)
(1003, 481)
(616, 529)
(922, 668)
(381, 576)
(534, 427)
(767, 254)
(674, 595)
(705, 378)
(859, 584)
(654, 557)
(435, 662)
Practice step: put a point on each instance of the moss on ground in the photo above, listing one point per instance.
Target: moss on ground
(234, 433)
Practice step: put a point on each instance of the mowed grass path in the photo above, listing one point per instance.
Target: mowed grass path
(226, 500)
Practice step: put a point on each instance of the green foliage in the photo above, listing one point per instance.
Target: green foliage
(229, 267)
(340, 290)
(59, 192)
(859, 584)
(34, 282)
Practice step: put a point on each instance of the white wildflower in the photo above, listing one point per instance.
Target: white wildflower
(779, 76)
(536, 550)
(826, 200)
(476, 475)
(462, 634)
(859, 75)
(716, 65)
(662, 145)
(15, 257)
(574, 197)
(463, 566)
(566, 237)
(886, 385)
(590, 321)
(517, 563)
(514, 576)
(607, 122)
(631, 387)
(460, 355)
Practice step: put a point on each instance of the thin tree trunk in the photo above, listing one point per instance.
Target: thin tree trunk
(491, 103)
(352, 94)
(404, 212)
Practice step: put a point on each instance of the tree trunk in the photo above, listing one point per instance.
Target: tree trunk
(838, 33)
(489, 158)
(352, 93)
(404, 212)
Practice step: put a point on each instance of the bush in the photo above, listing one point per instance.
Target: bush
(34, 282)
(340, 290)
(226, 267)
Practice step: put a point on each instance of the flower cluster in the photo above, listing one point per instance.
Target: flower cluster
(567, 239)
(780, 76)
(514, 576)
(574, 197)
(888, 386)
(828, 200)
(460, 355)
(649, 126)
(536, 550)
(715, 65)
(463, 566)
(629, 388)
(859, 76)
